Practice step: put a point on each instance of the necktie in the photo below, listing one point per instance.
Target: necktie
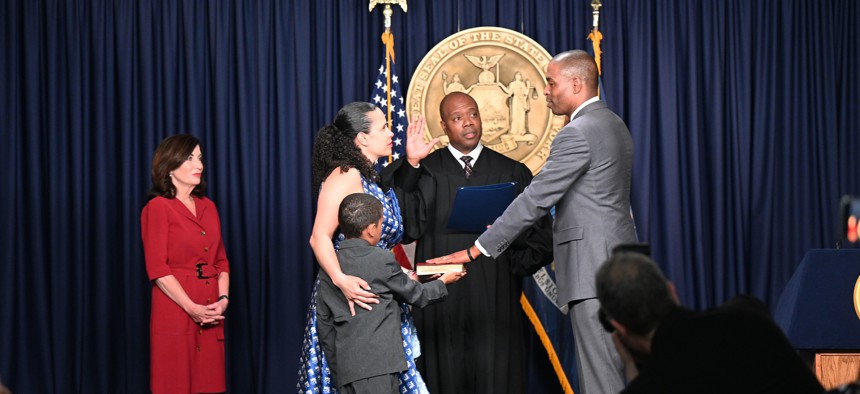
(467, 169)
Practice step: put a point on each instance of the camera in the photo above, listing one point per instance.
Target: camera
(849, 215)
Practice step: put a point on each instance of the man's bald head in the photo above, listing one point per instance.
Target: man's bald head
(446, 104)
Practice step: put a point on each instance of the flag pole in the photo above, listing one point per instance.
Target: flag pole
(595, 36)
(388, 41)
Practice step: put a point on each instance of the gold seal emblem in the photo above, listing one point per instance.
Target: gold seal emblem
(505, 72)
(857, 297)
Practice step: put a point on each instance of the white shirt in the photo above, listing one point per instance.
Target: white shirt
(457, 155)
(581, 106)
(473, 154)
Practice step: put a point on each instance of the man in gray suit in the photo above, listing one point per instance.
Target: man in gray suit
(587, 178)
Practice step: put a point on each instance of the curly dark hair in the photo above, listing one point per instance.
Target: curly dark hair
(169, 155)
(335, 145)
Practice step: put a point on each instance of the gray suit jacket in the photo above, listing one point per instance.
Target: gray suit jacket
(369, 343)
(587, 178)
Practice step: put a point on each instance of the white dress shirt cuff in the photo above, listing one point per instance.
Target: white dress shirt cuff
(481, 248)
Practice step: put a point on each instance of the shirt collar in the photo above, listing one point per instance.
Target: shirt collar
(473, 154)
(581, 106)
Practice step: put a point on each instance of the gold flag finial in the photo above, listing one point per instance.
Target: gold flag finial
(595, 36)
(387, 12)
(387, 3)
(387, 37)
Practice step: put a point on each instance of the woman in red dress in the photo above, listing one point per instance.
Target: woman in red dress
(186, 262)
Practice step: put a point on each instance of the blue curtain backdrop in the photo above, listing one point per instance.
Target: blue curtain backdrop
(745, 115)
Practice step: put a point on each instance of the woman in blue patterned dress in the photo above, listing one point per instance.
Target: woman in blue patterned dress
(343, 157)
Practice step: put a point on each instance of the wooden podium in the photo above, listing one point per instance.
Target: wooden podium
(819, 311)
(834, 369)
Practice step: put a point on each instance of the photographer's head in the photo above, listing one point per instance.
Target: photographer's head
(633, 293)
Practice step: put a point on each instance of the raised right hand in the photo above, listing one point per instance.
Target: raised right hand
(416, 148)
(356, 291)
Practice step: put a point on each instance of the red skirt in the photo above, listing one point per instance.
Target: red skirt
(185, 358)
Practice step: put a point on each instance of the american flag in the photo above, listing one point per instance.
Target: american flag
(399, 123)
(379, 96)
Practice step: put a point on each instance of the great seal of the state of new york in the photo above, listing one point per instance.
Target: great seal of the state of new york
(505, 72)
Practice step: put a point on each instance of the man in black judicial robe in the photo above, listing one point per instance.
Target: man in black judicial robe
(475, 341)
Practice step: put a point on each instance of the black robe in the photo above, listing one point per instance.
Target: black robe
(474, 341)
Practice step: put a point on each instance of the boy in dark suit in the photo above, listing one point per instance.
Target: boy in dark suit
(365, 351)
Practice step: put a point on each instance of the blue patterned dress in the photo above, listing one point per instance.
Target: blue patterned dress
(314, 375)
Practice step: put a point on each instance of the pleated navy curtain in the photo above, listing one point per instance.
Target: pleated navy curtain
(744, 115)
(745, 120)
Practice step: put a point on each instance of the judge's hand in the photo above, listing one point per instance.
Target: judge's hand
(357, 292)
(416, 148)
(456, 257)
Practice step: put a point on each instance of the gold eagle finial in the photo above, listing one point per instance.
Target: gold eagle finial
(373, 3)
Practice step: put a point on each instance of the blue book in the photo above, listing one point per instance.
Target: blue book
(476, 207)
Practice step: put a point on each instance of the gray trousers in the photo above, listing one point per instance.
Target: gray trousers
(374, 385)
(600, 368)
